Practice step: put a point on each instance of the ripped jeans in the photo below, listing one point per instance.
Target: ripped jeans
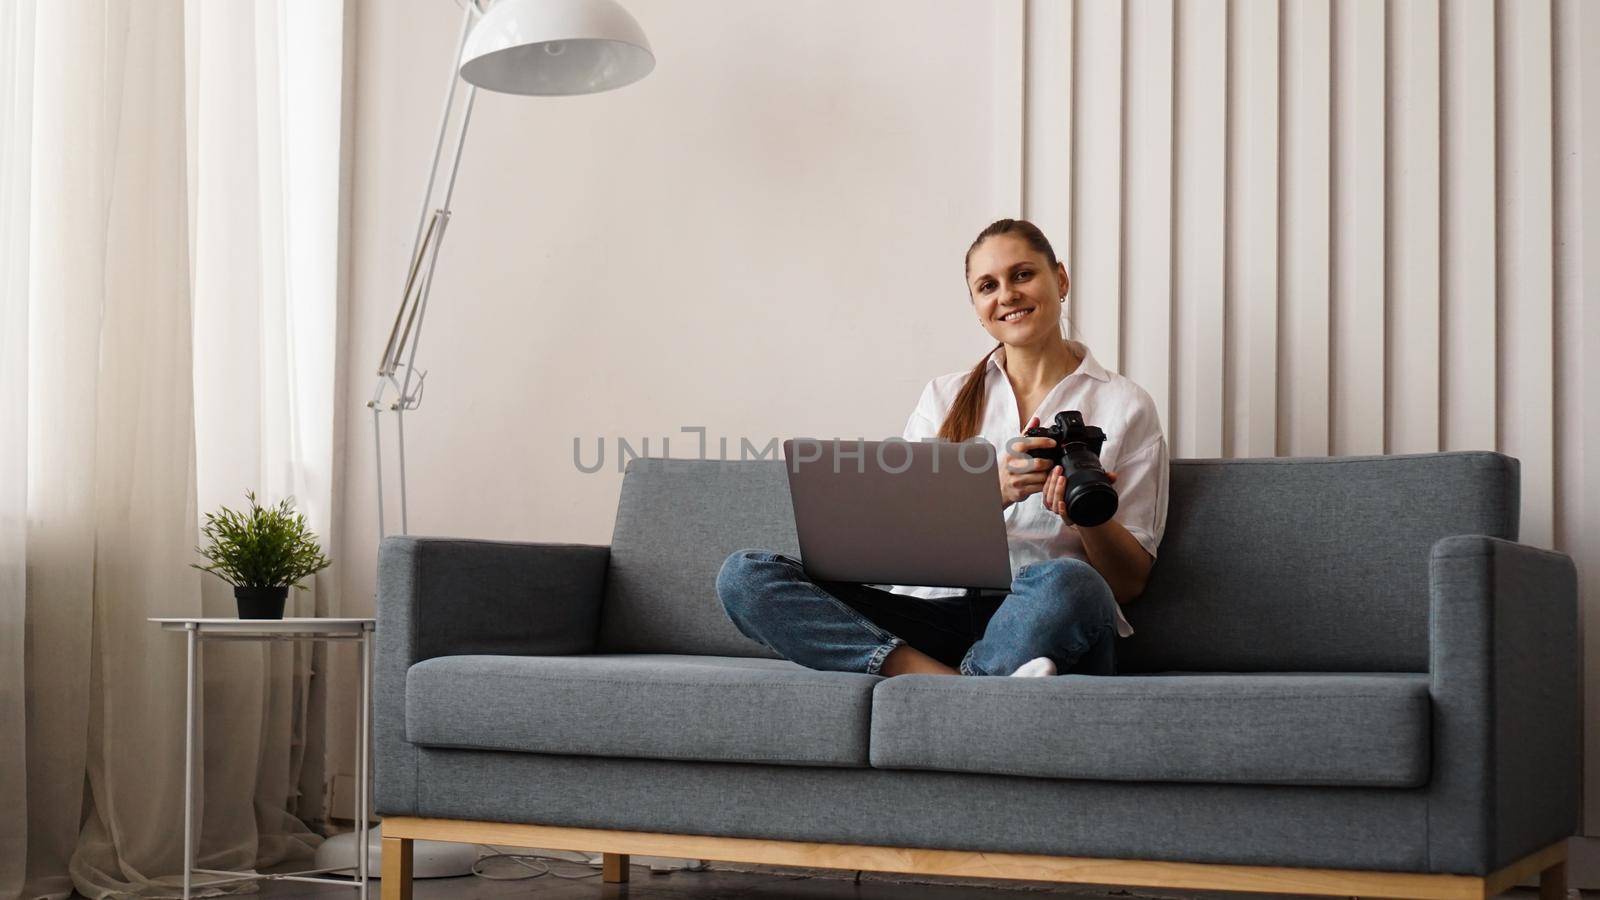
(1060, 608)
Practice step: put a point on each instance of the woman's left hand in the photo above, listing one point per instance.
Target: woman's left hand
(1055, 491)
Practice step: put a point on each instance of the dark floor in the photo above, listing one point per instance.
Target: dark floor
(737, 881)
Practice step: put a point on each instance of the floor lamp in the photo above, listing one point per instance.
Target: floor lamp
(530, 47)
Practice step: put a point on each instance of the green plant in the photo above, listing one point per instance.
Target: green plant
(262, 547)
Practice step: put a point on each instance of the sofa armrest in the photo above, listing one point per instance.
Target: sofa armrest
(1504, 662)
(448, 597)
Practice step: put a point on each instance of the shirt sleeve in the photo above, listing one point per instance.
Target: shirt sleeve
(923, 423)
(1142, 488)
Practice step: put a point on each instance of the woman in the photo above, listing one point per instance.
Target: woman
(1064, 610)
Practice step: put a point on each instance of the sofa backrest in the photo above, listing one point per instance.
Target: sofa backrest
(677, 520)
(1309, 564)
(1291, 564)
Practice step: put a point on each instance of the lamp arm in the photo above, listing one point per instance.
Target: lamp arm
(390, 360)
(442, 217)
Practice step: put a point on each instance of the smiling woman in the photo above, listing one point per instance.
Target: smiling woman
(1064, 610)
(1017, 288)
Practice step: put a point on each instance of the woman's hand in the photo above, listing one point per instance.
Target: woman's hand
(1055, 492)
(1020, 474)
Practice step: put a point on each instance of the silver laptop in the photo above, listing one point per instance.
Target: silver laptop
(896, 512)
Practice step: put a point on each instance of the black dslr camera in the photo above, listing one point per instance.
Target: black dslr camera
(1090, 498)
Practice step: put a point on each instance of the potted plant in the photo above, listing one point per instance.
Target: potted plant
(262, 552)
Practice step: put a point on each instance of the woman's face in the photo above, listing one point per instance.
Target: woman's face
(1015, 293)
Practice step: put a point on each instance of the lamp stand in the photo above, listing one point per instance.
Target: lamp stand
(432, 859)
(400, 351)
(613, 51)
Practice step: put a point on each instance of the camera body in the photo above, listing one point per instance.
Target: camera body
(1090, 498)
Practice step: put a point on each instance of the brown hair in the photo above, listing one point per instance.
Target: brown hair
(962, 421)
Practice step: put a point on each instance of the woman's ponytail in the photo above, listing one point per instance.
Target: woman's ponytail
(961, 422)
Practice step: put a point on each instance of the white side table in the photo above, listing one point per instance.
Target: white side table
(312, 629)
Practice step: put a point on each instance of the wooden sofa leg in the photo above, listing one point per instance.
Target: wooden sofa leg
(613, 868)
(1553, 882)
(396, 869)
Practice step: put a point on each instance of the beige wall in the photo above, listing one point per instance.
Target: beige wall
(764, 238)
(1306, 228)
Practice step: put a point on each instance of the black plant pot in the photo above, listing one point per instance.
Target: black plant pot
(260, 602)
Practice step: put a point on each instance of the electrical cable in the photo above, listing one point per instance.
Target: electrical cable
(543, 861)
(522, 859)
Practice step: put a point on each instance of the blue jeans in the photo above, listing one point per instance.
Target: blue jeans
(1060, 608)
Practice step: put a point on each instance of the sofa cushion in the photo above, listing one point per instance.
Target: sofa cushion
(652, 705)
(1366, 729)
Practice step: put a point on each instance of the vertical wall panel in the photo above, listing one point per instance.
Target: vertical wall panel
(1147, 205)
(1526, 239)
(1304, 347)
(1357, 286)
(1202, 110)
(1252, 230)
(1341, 227)
(1010, 116)
(1047, 188)
(1096, 265)
(1467, 223)
(1577, 114)
(1413, 288)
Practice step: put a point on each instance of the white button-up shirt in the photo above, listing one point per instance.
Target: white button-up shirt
(1135, 449)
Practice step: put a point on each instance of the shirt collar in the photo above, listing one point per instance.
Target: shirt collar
(1090, 366)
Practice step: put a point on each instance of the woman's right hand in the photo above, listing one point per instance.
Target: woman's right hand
(1021, 474)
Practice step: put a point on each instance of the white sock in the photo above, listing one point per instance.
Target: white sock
(1037, 667)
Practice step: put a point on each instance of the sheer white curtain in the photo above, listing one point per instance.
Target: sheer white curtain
(263, 146)
(168, 227)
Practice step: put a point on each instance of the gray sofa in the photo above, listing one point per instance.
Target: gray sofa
(1342, 663)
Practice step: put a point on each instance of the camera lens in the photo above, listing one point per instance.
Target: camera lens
(1091, 504)
(1091, 500)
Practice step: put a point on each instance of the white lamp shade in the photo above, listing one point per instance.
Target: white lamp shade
(552, 47)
